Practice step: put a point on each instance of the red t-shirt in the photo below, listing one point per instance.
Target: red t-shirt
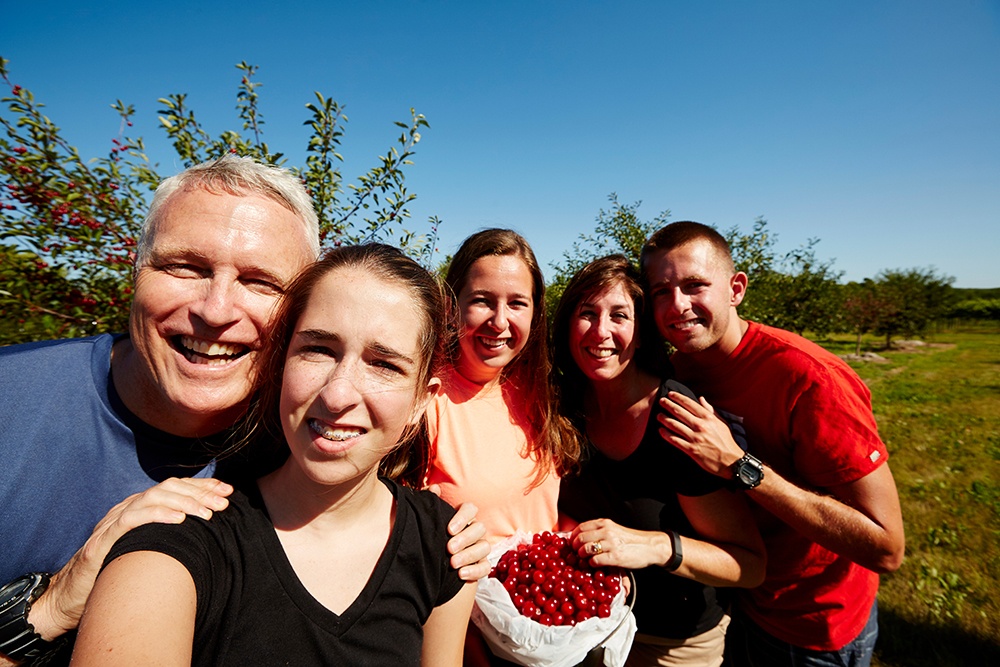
(807, 415)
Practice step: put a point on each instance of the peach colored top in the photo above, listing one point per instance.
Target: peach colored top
(479, 455)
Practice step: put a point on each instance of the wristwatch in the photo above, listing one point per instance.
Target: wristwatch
(748, 472)
(18, 639)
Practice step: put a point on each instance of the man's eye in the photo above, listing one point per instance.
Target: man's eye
(260, 285)
(183, 270)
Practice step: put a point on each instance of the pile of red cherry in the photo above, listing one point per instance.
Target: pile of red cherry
(549, 583)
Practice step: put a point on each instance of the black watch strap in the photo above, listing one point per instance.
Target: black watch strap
(18, 639)
(677, 557)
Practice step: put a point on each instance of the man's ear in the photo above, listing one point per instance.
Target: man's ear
(433, 386)
(738, 288)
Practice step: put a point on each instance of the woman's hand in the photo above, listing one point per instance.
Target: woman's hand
(467, 547)
(606, 543)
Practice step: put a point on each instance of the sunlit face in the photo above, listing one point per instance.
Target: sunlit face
(350, 382)
(694, 298)
(496, 308)
(217, 265)
(603, 335)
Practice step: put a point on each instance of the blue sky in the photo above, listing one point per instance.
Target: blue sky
(871, 125)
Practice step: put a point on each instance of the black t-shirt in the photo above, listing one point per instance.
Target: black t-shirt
(253, 610)
(640, 492)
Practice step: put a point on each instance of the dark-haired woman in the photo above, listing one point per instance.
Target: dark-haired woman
(643, 504)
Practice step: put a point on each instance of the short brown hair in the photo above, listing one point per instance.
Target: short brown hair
(681, 233)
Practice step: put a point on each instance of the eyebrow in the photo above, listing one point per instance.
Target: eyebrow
(680, 281)
(380, 350)
(486, 292)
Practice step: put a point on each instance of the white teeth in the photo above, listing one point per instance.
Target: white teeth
(493, 343)
(337, 434)
(600, 352)
(685, 325)
(210, 349)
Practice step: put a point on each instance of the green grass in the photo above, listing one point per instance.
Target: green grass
(938, 409)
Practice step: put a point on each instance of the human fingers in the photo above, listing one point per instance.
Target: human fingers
(684, 402)
(586, 532)
(169, 502)
(471, 562)
(462, 519)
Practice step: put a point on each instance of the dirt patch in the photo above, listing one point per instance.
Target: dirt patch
(918, 346)
(869, 357)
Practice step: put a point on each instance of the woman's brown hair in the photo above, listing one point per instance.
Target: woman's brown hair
(386, 263)
(550, 436)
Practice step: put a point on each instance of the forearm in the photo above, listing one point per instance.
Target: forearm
(846, 530)
(716, 564)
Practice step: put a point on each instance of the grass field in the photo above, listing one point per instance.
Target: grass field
(938, 409)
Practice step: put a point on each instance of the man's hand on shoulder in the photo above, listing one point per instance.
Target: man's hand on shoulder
(695, 429)
(467, 546)
(58, 610)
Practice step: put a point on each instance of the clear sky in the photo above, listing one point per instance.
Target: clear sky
(873, 125)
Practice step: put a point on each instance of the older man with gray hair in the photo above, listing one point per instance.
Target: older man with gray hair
(143, 416)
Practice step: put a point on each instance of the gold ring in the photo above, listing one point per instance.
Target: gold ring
(595, 548)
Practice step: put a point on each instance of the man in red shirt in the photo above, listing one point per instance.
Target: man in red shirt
(817, 472)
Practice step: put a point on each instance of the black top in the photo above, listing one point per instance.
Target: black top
(641, 492)
(253, 610)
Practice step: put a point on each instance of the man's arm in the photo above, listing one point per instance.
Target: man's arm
(860, 520)
(59, 608)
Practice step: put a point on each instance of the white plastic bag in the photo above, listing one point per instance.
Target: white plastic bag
(513, 637)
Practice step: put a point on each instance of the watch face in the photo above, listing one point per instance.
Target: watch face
(14, 592)
(749, 473)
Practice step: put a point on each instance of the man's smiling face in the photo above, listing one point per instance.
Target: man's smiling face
(694, 298)
(216, 267)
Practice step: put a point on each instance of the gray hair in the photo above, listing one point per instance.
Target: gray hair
(234, 175)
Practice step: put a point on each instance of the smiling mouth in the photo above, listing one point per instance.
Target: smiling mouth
(601, 352)
(492, 343)
(686, 324)
(336, 434)
(211, 353)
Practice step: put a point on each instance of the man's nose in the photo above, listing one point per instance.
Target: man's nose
(218, 305)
